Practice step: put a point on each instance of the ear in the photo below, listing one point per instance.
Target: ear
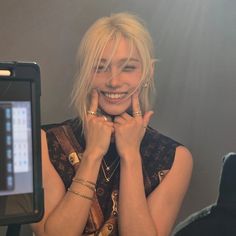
(152, 69)
(151, 73)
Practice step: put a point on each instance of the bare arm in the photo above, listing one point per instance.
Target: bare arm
(66, 213)
(134, 214)
(165, 201)
(156, 214)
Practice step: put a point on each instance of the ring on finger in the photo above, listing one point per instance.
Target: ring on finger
(91, 112)
(137, 113)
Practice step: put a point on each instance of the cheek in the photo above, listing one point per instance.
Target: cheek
(97, 82)
(96, 86)
(135, 79)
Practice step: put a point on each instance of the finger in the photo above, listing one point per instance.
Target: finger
(98, 119)
(122, 118)
(110, 124)
(119, 120)
(135, 103)
(126, 116)
(147, 117)
(94, 101)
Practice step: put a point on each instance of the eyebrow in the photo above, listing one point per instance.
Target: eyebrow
(122, 60)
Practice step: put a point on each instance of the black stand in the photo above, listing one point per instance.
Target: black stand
(13, 230)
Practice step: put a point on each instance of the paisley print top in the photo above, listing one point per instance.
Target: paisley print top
(157, 152)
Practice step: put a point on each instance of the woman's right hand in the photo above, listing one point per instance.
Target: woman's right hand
(98, 130)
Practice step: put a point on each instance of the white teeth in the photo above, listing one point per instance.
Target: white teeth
(114, 95)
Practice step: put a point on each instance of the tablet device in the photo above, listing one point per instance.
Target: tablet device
(21, 193)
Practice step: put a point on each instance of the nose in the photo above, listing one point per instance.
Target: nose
(114, 81)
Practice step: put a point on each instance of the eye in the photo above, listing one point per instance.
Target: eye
(101, 68)
(129, 68)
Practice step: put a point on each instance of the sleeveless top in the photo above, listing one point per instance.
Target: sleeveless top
(157, 152)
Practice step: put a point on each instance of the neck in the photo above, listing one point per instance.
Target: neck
(110, 117)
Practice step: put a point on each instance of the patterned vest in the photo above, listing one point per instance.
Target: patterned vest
(157, 152)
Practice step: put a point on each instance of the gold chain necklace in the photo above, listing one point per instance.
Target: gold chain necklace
(107, 168)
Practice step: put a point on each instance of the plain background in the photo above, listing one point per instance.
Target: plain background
(195, 42)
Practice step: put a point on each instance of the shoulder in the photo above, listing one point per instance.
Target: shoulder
(69, 129)
(183, 154)
(74, 123)
(58, 140)
(160, 152)
(159, 147)
(154, 137)
(183, 163)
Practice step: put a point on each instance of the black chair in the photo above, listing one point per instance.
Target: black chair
(219, 218)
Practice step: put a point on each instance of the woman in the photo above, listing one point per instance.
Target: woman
(107, 172)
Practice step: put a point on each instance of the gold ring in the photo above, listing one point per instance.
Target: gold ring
(137, 113)
(92, 113)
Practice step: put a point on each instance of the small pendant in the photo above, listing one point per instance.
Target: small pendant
(107, 180)
(107, 168)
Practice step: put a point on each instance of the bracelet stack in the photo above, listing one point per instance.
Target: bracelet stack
(90, 185)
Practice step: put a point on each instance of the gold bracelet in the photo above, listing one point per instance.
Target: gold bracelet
(79, 194)
(84, 181)
(79, 181)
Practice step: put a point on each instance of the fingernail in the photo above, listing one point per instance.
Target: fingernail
(152, 112)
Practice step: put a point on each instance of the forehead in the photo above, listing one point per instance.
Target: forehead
(123, 49)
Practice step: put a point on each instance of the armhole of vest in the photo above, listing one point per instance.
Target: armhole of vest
(174, 152)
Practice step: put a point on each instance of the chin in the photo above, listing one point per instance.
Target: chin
(113, 112)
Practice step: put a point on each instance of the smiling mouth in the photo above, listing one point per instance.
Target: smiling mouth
(114, 95)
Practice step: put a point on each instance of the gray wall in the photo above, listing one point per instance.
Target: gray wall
(195, 44)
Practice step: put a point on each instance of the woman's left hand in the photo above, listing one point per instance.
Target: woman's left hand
(129, 130)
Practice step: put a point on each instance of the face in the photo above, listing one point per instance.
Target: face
(117, 81)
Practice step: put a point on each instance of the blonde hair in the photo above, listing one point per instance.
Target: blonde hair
(90, 51)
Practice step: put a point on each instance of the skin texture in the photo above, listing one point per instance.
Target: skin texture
(116, 90)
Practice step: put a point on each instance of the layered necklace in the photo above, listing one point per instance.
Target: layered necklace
(109, 168)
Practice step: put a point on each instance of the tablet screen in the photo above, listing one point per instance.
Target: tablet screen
(16, 149)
